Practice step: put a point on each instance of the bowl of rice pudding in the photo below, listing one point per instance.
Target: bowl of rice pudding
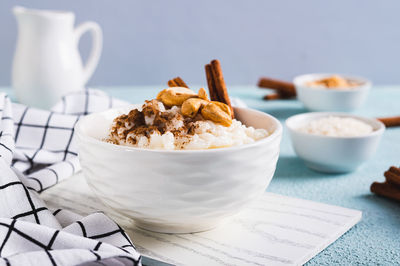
(334, 142)
(178, 163)
(332, 92)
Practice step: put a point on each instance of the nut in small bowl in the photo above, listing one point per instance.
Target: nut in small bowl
(332, 92)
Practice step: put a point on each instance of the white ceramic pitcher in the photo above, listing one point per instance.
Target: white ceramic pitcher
(47, 63)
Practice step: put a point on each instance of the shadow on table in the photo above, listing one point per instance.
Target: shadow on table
(293, 166)
(385, 205)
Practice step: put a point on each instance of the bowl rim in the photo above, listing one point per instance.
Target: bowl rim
(299, 83)
(379, 131)
(276, 134)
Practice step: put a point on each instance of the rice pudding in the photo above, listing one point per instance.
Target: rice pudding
(180, 119)
(335, 126)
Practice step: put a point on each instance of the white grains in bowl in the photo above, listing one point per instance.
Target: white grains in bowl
(335, 126)
(155, 127)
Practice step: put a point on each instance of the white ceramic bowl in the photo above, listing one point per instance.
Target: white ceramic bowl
(177, 191)
(322, 99)
(333, 154)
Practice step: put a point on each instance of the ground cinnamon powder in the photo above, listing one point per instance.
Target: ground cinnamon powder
(131, 126)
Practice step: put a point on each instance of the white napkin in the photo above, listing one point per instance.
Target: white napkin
(37, 150)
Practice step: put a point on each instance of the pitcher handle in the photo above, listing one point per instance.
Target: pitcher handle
(97, 44)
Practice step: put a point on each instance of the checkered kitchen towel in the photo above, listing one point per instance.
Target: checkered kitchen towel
(37, 150)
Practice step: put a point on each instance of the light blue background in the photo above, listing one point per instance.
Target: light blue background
(148, 42)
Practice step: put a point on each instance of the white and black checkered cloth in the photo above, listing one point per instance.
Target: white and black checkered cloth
(37, 150)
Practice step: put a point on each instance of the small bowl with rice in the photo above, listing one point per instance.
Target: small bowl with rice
(334, 142)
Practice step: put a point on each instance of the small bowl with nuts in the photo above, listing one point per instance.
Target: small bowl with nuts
(332, 92)
(179, 163)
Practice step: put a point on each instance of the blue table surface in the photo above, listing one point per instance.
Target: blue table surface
(376, 238)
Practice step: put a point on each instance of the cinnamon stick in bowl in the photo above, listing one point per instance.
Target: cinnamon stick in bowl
(216, 84)
(177, 82)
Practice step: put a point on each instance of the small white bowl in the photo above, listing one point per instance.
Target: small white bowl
(333, 154)
(181, 191)
(324, 99)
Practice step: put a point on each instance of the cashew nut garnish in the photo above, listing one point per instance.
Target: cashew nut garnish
(191, 106)
(175, 96)
(203, 94)
(192, 103)
(224, 107)
(217, 112)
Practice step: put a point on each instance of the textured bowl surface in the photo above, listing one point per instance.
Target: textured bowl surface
(333, 154)
(177, 191)
(320, 99)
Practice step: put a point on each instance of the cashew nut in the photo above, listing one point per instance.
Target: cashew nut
(191, 106)
(224, 107)
(175, 96)
(203, 94)
(217, 112)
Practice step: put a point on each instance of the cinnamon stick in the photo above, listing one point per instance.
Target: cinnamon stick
(386, 190)
(220, 85)
(211, 83)
(216, 84)
(393, 177)
(171, 83)
(177, 82)
(180, 82)
(272, 96)
(393, 121)
(286, 89)
(395, 170)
